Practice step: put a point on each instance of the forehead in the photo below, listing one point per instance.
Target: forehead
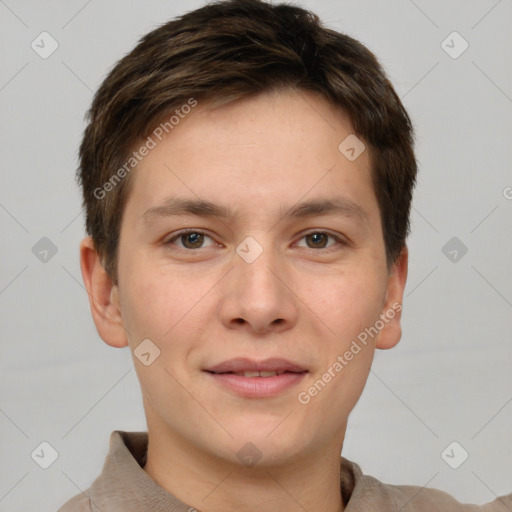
(274, 148)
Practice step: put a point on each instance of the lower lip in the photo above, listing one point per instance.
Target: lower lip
(257, 387)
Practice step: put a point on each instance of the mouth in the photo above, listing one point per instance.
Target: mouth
(244, 365)
(257, 379)
(256, 373)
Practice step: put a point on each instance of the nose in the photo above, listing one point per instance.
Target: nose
(257, 295)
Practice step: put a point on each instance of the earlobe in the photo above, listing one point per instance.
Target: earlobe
(103, 296)
(391, 333)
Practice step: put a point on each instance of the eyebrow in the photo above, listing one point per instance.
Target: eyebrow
(202, 208)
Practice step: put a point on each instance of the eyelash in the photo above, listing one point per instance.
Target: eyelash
(178, 235)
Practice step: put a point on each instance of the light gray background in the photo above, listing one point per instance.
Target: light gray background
(450, 377)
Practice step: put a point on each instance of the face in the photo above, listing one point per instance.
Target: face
(250, 243)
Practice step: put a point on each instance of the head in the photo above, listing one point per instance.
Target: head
(283, 150)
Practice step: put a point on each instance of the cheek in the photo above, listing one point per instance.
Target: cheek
(165, 310)
(351, 307)
(154, 310)
(347, 304)
(147, 304)
(141, 303)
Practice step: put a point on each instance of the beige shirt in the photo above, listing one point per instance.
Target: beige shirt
(124, 486)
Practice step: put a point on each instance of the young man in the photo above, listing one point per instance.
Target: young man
(247, 178)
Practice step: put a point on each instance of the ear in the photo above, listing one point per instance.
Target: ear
(391, 315)
(103, 296)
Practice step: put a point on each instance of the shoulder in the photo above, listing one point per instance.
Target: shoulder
(425, 499)
(79, 503)
(410, 498)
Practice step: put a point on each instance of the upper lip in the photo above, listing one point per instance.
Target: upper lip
(242, 364)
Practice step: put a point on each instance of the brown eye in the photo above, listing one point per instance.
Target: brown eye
(320, 240)
(188, 240)
(317, 240)
(192, 240)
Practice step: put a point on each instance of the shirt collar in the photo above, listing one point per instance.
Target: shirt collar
(123, 486)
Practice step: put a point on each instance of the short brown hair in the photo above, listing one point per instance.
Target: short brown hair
(230, 50)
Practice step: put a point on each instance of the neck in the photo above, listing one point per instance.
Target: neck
(213, 484)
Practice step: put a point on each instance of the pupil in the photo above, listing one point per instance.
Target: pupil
(315, 237)
(193, 238)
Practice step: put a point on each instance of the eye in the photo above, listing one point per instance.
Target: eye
(191, 239)
(319, 239)
(195, 239)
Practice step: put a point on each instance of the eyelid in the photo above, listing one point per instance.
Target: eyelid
(177, 235)
(339, 239)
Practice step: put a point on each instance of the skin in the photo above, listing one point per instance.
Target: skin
(204, 305)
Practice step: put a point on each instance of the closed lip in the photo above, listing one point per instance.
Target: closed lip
(243, 364)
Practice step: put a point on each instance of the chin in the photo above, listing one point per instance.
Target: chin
(269, 442)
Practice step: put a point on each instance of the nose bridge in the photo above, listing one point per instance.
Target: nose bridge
(257, 294)
(256, 266)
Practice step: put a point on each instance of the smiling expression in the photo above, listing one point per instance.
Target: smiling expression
(249, 243)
